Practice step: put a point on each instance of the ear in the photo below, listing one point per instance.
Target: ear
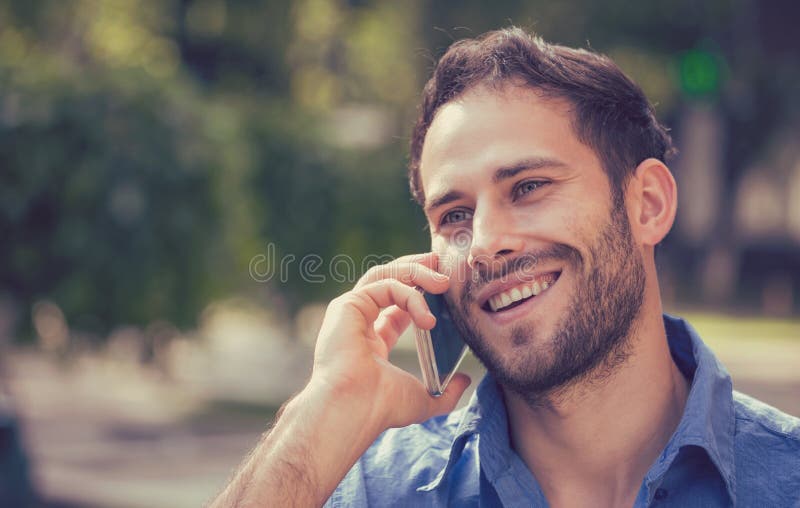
(657, 197)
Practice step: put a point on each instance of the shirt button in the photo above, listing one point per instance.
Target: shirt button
(660, 494)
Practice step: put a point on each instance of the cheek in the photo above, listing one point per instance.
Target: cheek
(438, 245)
(572, 223)
(558, 222)
(452, 261)
(453, 249)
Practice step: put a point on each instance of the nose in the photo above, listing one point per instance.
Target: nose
(493, 237)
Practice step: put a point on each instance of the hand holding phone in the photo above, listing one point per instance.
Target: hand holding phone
(441, 349)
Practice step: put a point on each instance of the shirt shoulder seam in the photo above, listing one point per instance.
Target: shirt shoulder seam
(769, 428)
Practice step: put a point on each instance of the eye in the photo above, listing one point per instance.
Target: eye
(455, 216)
(527, 187)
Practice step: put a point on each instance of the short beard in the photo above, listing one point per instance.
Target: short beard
(591, 341)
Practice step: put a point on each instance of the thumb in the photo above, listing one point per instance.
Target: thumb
(447, 401)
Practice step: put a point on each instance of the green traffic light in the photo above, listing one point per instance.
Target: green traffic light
(699, 72)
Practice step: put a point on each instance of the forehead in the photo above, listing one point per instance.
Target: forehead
(488, 128)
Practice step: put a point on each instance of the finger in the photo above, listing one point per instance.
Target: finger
(372, 298)
(428, 259)
(418, 270)
(416, 405)
(392, 322)
(446, 402)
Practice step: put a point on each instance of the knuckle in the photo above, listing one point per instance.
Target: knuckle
(349, 298)
(336, 302)
(374, 272)
(359, 299)
(406, 277)
(401, 290)
(368, 277)
(409, 298)
(394, 284)
(395, 320)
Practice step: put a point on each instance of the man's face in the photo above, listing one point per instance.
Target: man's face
(546, 279)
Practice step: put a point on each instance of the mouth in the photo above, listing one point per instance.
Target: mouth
(513, 296)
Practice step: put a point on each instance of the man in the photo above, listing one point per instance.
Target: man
(541, 172)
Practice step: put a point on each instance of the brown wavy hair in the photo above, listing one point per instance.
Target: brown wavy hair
(611, 114)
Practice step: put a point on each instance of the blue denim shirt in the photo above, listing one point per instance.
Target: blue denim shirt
(728, 449)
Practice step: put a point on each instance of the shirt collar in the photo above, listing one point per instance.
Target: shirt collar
(485, 415)
(707, 421)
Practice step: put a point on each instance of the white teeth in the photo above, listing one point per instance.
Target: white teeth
(516, 294)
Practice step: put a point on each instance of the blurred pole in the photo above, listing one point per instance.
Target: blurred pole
(703, 198)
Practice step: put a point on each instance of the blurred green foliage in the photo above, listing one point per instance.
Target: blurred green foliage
(150, 148)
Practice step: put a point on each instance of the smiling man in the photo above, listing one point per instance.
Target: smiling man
(541, 172)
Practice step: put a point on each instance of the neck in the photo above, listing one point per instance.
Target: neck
(599, 439)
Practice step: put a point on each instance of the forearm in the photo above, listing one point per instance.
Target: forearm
(315, 441)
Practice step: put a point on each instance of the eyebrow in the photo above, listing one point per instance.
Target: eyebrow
(505, 172)
(500, 174)
(442, 200)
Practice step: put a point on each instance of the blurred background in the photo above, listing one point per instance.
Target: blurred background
(184, 184)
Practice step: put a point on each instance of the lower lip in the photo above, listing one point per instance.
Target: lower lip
(515, 313)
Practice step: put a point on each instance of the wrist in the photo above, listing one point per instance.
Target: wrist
(316, 439)
(377, 402)
(349, 405)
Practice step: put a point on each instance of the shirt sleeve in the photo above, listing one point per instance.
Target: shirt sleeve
(351, 492)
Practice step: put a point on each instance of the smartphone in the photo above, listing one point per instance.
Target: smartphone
(441, 349)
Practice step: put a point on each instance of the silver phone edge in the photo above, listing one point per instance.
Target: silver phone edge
(427, 363)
